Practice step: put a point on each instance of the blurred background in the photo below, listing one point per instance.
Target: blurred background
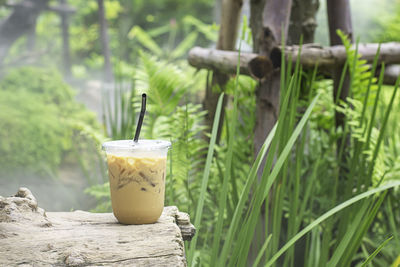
(71, 76)
(65, 63)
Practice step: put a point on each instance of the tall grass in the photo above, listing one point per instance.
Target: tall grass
(297, 186)
(311, 206)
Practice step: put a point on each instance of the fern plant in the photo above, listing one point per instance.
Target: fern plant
(171, 51)
(167, 87)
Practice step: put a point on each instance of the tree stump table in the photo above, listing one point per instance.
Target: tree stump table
(29, 236)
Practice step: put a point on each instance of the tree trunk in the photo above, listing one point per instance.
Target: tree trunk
(230, 15)
(21, 21)
(303, 21)
(267, 35)
(275, 14)
(339, 17)
(108, 76)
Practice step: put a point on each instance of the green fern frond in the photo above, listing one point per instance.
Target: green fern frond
(354, 107)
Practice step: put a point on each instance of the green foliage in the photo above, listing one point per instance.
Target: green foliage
(170, 27)
(167, 86)
(298, 188)
(119, 113)
(137, 24)
(298, 184)
(170, 51)
(388, 25)
(305, 173)
(101, 192)
(187, 155)
(40, 121)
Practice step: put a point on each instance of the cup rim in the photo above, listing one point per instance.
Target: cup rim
(130, 145)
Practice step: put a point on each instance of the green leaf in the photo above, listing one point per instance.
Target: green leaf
(329, 214)
(185, 45)
(206, 175)
(377, 250)
(262, 251)
(144, 39)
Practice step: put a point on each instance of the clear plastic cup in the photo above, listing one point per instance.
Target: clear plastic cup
(137, 179)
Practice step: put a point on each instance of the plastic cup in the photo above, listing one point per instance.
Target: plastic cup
(137, 179)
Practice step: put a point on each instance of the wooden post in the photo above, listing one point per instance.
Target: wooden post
(230, 15)
(339, 17)
(267, 35)
(65, 39)
(303, 21)
(275, 14)
(108, 76)
(18, 23)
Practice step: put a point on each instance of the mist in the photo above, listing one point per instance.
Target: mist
(63, 190)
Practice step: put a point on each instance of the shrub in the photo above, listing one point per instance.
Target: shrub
(40, 121)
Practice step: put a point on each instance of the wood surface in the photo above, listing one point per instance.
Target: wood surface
(29, 236)
(311, 54)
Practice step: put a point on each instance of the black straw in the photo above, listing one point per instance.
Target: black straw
(140, 122)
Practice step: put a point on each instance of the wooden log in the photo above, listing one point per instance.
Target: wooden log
(224, 61)
(311, 54)
(392, 73)
(230, 16)
(31, 237)
(339, 18)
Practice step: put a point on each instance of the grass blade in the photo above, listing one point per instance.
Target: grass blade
(377, 250)
(289, 145)
(244, 195)
(329, 214)
(206, 175)
(228, 164)
(262, 251)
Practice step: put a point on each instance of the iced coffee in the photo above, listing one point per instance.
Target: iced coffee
(137, 174)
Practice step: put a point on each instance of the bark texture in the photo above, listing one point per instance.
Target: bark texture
(108, 75)
(274, 24)
(230, 15)
(303, 21)
(31, 237)
(311, 54)
(275, 18)
(339, 18)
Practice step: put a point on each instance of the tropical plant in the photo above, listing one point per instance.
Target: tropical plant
(171, 51)
(297, 189)
(302, 175)
(167, 86)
